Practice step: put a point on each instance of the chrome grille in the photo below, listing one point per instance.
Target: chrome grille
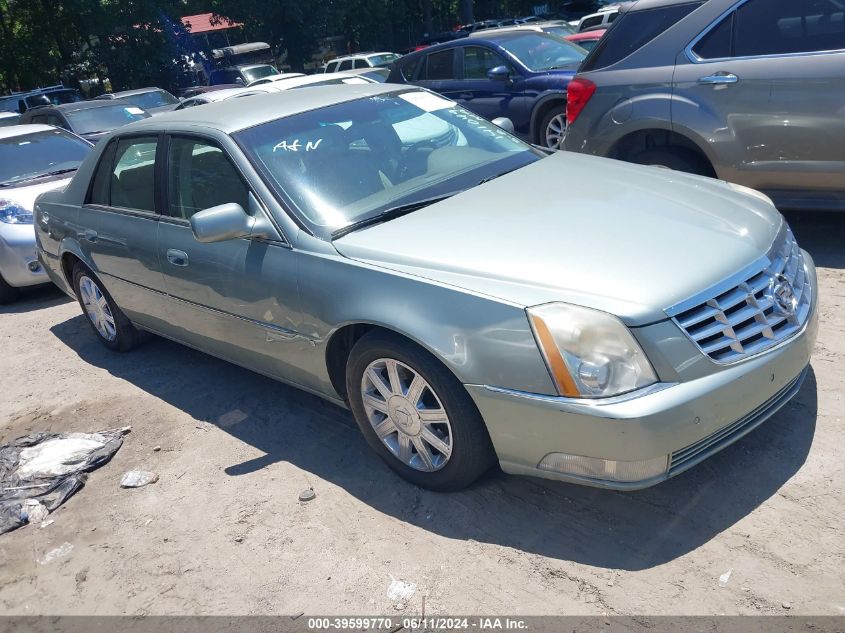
(769, 305)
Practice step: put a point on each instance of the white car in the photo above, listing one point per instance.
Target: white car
(270, 78)
(360, 60)
(9, 118)
(33, 159)
(278, 85)
(601, 19)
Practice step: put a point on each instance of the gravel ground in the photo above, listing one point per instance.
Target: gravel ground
(223, 531)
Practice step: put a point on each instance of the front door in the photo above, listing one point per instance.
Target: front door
(237, 299)
(486, 97)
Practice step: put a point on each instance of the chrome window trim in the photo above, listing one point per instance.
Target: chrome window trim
(695, 59)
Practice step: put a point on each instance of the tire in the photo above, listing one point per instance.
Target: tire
(676, 158)
(115, 331)
(552, 137)
(442, 397)
(8, 293)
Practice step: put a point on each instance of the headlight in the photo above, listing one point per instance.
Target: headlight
(590, 354)
(11, 213)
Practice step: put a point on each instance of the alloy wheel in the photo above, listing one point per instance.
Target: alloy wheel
(97, 308)
(556, 131)
(407, 415)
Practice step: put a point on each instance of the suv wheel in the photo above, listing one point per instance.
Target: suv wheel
(676, 158)
(109, 323)
(415, 414)
(553, 128)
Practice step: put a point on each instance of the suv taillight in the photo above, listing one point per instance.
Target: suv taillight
(577, 95)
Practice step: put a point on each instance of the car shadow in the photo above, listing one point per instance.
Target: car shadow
(36, 298)
(632, 530)
(820, 234)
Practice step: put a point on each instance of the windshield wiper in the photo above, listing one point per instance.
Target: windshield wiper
(57, 172)
(389, 214)
(489, 178)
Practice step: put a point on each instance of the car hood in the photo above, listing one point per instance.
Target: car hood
(626, 239)
(25, 195)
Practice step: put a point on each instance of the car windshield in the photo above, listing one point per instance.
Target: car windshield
(383, 60)
(104, 119)
(39, 154)
(259, 72)
(351, 162)
(561, 30)
(538, 51)
(152, 99)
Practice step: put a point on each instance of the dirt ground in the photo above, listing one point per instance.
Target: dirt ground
(223, 531)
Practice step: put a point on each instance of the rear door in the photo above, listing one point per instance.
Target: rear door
(236, 299)
(438, 73)
(772, 73)
(118, 225)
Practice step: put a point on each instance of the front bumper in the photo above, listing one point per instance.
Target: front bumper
(19, 263)
(684, 423)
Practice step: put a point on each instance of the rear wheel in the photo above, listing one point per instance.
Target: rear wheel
(676, 158)
(415, 414)
(110, 325)
(8, 293)
(553, 128)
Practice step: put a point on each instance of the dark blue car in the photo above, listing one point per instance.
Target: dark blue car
(520, 74)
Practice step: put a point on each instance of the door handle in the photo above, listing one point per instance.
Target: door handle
(177, 258)
(718, 79)
(90, 235)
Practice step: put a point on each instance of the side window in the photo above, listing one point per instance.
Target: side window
(409, 69)
(361, 63)
(632, 30)
(478, 60)
(439, 66)
(132, 182)
(346, 64)
(56, 121)
(40, 119)
(332, 67)
(773, 27)
(201, 177)
(594, 21)
(99, 193)
(716, 44)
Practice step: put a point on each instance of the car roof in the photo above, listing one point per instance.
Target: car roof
(230, 115)
(136, 91)
(23, 130)
(79, 105)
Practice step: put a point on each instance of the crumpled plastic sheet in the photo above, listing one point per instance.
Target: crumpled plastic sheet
(49, 468)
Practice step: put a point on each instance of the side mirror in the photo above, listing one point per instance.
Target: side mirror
(221, 223)
(499, 73)
(505, 123)
(230, 221)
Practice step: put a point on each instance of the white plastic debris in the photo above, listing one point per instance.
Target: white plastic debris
(724, 578)
(36, 512)
(59, 456)
(62, 550)
(400, 591)
(137, 478)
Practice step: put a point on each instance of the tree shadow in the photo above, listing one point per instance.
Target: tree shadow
(36, 298)
(820, 234)
(632, 531)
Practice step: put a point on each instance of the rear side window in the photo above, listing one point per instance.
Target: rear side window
(409, 68)
(131, 179)
(718, 42)
(361, 63)
(346, 64)
(773, 27)
(632, 30)
(594, 21)
(440, 66)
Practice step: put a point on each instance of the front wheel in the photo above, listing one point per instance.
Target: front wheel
(553, 128)
(415, 414)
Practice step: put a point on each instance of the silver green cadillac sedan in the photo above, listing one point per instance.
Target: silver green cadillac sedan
(470, 298)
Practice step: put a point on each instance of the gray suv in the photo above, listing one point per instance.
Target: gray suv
(750, 91)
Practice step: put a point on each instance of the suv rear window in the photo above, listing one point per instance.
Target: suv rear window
(632, 30)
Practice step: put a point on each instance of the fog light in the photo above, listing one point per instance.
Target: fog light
(594, 468)
(34, 266)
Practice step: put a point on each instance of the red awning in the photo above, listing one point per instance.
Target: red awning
(206, 22)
